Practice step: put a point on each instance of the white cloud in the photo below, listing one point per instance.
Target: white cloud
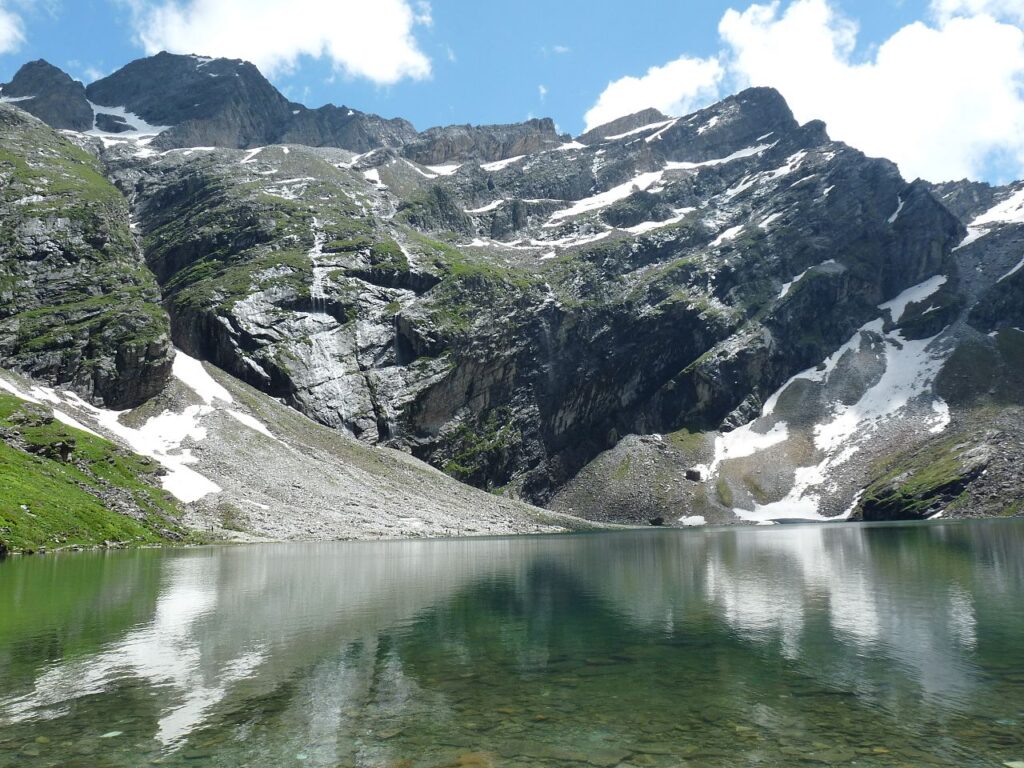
(940, 101)
(1012, 10)
(374, 40)
(944, 99)
(12, 32)
(542, 90)
(561, 49)
(675, 88)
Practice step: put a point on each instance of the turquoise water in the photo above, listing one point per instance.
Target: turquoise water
(804, 645)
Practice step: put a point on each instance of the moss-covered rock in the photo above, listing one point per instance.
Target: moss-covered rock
(77, 305)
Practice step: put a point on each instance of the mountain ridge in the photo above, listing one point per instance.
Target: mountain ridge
(725, 317)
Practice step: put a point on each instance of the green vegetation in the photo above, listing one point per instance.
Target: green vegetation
(78, 299)
(724, 491)
(907, 486)
(471, 285)
(212, 284)
(480, 450)
(623, 468)
(54, 481)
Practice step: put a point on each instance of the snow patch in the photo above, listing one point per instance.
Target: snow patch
(420, 171)
(1012, 272)
(657, 136)
(193, 375)
(738, 155)
(788, 286)
(647, 226)
(642, 182)
(709, 125)
(913, 295)
(489, 207)
(742, 442)
(899, 209)
(141, 129)
(443, 170)
(641, 129)
(499, 164)
(252, 423)
(249, 155)
(729, 234)
(1008, 211)
(693, 520)
(910, 368)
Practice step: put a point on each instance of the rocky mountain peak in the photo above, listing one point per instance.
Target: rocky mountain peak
(219, 102)
(623, 125)
(50, 94)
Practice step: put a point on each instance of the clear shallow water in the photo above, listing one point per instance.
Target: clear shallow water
(816, 645)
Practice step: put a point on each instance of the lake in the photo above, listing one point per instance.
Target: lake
(824, 645)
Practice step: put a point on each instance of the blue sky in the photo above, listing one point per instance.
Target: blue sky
(502, 53)
(483, 62)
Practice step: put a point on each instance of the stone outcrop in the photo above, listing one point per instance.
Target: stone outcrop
(77, 305)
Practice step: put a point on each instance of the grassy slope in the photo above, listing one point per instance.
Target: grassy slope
(47, 502)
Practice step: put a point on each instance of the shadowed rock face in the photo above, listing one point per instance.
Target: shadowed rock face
(51, 95)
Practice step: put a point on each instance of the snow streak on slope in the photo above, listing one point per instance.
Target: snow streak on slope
(642, 182)
(160, 437)
(140, 129)
(908, 371)
(1008, 211)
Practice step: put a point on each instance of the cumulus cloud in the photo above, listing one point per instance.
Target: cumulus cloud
(675, 88)
(373, 40)
(942, 99)
(1012, 10)
(12, 32)
(938, 115)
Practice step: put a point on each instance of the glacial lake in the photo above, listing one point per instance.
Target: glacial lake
(809, 645)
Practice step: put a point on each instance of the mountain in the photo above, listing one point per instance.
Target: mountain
(724, 317)
(50, 94)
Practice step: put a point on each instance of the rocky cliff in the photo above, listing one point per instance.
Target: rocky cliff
(77, 304)
(721, 317)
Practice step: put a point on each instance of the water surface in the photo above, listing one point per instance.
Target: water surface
(817, 645)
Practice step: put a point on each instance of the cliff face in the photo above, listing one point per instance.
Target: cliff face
(724, 316)
(77, 304)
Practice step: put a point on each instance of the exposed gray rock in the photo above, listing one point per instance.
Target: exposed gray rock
(623, 125)
(483, 143)
(77, 304)
(45, 91)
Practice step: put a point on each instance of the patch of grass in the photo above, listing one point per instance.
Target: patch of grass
(754, 488)
(47, 502)
(478, 451)
(724, 492)
(623, 469)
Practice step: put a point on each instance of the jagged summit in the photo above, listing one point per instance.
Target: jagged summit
(199, 101)
(624, 125)
(50, 94)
